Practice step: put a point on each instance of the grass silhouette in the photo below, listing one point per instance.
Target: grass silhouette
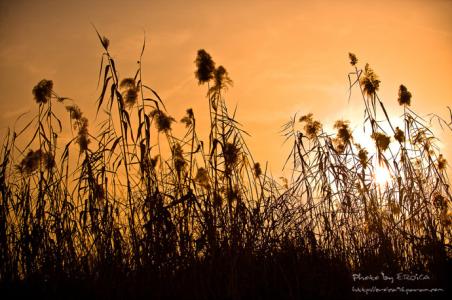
(119, 216)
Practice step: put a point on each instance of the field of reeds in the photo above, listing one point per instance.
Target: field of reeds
(128, 209)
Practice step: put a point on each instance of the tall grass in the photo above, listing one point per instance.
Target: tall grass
(402, 223)
(113, 208)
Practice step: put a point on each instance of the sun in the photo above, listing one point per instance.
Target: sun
(381, 175)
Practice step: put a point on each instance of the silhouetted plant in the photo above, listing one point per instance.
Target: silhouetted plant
(205, 217)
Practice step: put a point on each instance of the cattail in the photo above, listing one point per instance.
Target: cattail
(399, 135)
(404, 96)
(202, 177)
(205, 67)
(343, 131)
(442, 162)
(257, 169)
(306, 118)
(127, 83)
(163, 121)
(190, 113)
(353, 59)
(42, 92)
(48, 160)
(230, 153)
(188, 118)
(363, 157)
(82, 138)
(130, 91)
(381, 140)
(339, 146)
(311, 127)
(130, 96)
(30, 162)
(75, 112)
(343, 135)
(82, 124)
(33, 159)
(179, 161)
(369, 81)
(221, 78)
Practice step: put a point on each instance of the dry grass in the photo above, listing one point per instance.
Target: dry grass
(205, 218)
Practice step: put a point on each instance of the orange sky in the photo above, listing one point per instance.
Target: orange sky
(285, 57)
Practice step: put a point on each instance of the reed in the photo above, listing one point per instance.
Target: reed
(113, 208)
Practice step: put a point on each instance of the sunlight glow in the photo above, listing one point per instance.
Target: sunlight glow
(381, 175)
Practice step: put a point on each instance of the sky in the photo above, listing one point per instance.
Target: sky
(285, 57)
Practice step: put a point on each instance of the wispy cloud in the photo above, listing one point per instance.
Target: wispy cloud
(12, 114)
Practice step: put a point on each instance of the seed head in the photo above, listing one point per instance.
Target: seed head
(163, 121)
(129, 91)
(202, 177)
(231, 154)
(30, 162)
(339, 146)
(369, 81)
(42, 92)
(179, 161)
(311, 127)
(81, 123)
(404, 96)
(127, 83)
(130, 96)
(75, 112)
(399, 135)
(381, 140)
(442, 162)
(33, 159)
(190, 113)
(48, 160)
(188, 118)
(205, 66)
(353, 59)
(363, 157)
(221, 78)
(343, 131)
(306, 118)
(83, 136)
(257, 169)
